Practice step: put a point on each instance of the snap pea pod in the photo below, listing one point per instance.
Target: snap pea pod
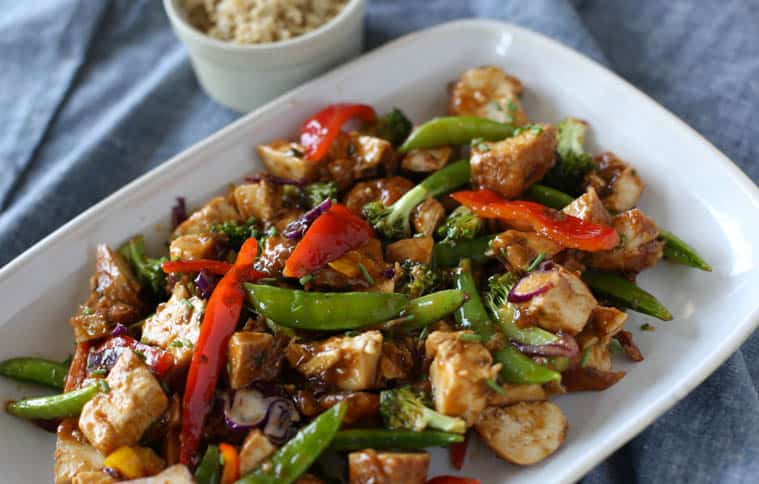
(209, 469)
(427, 309)
(678, 251)
(519, 368)
(63, 405)
(472, 314)
(356, 439)
(447, 179)
(448, 254)
(35, 370)
(297, 455)
(325, 311)
(625, 293)
(675, 249)
(455, 130)
(532, 335)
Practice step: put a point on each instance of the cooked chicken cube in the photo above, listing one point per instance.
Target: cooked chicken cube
(524, 433)
(276, 249)
(604, 323)
(175, 326)
(515, 393)
(285, 159)
(617, 183)
(346, 273)
(361, 405)
(176, 474)
(355, 156)
(519, 249)
(417, 249)
(510, 166)
(639, 248)
(262, 200)
(387, 190)
(371, 467)
(73, 455)
(216, 211)
(252, 356)
(428, 215)
(347, 362)
(396, 362)
(254, 451)
(459, 372)
(427, 160)
(196, 246)
(589, 207)
(564, 302)
(114, 297)
(488, 92)
(134, 400)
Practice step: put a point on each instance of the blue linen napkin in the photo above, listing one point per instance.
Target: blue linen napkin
(91, 84)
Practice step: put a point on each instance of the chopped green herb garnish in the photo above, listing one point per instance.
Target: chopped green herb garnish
(585, 357)
(305, 279)
(187, 303)
(470, 337)
(495, 386)
(140, 355)
(87, 311)
(98, 372)
(536, 262)
(616, 347)
(367, 276)
(296, 152)
(176, 343)
(647, 327)
(104, 388)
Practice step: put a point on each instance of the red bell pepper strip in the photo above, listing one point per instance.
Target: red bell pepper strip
(458, 453)
(332, 234)
(218, 267)
(321, 129)
(565, 230)
(78, 368)
(219, 322)
(453, 480)
(231, 471)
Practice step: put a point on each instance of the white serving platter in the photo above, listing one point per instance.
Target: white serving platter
(692, 189)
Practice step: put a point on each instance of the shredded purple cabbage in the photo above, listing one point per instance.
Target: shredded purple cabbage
(389, 273)
(565, 346)
(206, 283)
(119, 330)
(179, 212)
(515, 296)
(297, 228)
(278, 180)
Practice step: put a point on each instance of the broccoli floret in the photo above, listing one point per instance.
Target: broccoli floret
(148, 270)
(418, 279)
(393, 126)
(237, 232)
(403, 409)
(461, 224)
(572, 162)
(393, 222)
(499, 286)
(316, 193)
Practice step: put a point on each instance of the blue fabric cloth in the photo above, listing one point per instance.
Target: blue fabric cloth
(94, 93)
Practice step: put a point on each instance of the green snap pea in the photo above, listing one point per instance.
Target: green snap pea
(532, 335)
(678, 251)
(519, 368)
(625, 293)
(209, 469)
(455, 130)
(448, 254)
(297, 455)
(356, 439)
(325, 311)
(63, 405)
(427, 309)
(550, 197)
(447, 179)
(35, 370)
(472, 314)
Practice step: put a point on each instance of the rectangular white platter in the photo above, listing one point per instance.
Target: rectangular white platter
(692, 189)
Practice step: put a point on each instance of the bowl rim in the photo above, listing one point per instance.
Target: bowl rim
(181, 23)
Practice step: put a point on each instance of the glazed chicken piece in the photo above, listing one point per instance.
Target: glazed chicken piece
(354, 156)
(524, 433)
(565, 305)
(175, 326)
(73, 454)
(396, 362)
(604, 324)
(196, 246)
(274, 253)
(387, 190)
(346, 362)
(617, 183)
(640, 247)
(417, 249)
(361, 405)
(428, 216)
(216, 211)
(176, 474)
(285, 159)
(262, 200)
(254, 451)
(488, 92)
(519, 249)
(371, 467)
(510, 166)
(589, 207)
(427, 160)
(114, 297)
(459, 372)
(253, 356)
(134, 401)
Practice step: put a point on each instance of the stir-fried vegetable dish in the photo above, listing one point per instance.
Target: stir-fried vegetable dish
(374, 293)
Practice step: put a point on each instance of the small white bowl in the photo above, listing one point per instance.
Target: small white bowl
(244, 77)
